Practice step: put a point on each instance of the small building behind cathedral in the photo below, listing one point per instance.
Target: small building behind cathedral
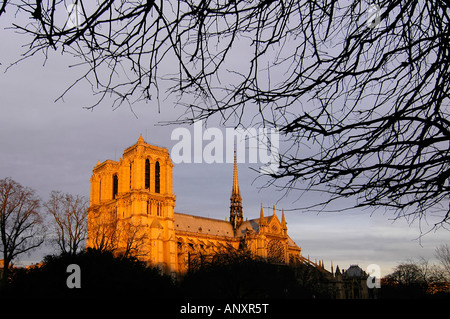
(132, 212)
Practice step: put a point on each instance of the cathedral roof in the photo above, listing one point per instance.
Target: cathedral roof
(218, 227)
(203, 225)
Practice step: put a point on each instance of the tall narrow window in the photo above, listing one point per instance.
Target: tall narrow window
(100, 191)
(115, 185)
(147, 174)
(158, 209)
(131, 173)
(157, 178)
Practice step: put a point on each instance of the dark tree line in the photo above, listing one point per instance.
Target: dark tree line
(23, 224)
(359, 92)
(228, 276)
(104, 276)
(419, 279)
(237, 274)
(26, 222)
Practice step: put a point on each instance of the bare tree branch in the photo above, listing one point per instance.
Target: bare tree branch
(368, 95)
(125, 237)
(69, 214)
(21, 227)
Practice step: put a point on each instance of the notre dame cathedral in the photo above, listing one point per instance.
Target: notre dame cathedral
(132, 210)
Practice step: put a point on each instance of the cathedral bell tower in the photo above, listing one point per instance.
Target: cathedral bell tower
(236, 215)
(132, 206)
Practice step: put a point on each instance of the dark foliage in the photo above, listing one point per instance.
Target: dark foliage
(102, 276)
(412, 290)
(226, 276)
(238, 276)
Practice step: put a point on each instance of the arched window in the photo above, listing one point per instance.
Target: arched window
(115, 185)
(157, 178)
(147, 174)
(159, 211)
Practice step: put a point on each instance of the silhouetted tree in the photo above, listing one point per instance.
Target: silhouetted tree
(69, 220)
(123, 236)
(360, 92)
(21, 227)
(103, 231)
(238, 274)
(103, 276)
(134, 238)
(443, 255)
(313, 280)
(412, 279)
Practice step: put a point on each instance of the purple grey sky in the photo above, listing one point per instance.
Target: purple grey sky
(50, 145)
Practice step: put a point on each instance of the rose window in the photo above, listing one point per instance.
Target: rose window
(275, 250)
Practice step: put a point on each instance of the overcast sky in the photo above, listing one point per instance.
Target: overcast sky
(50, 145)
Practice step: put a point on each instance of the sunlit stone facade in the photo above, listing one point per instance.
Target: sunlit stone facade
(132, 212)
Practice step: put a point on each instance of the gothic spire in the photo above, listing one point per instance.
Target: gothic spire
(262, 220)
(235, 178)
(236, 215)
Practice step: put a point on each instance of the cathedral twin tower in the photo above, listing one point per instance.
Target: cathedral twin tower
(132, 212)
